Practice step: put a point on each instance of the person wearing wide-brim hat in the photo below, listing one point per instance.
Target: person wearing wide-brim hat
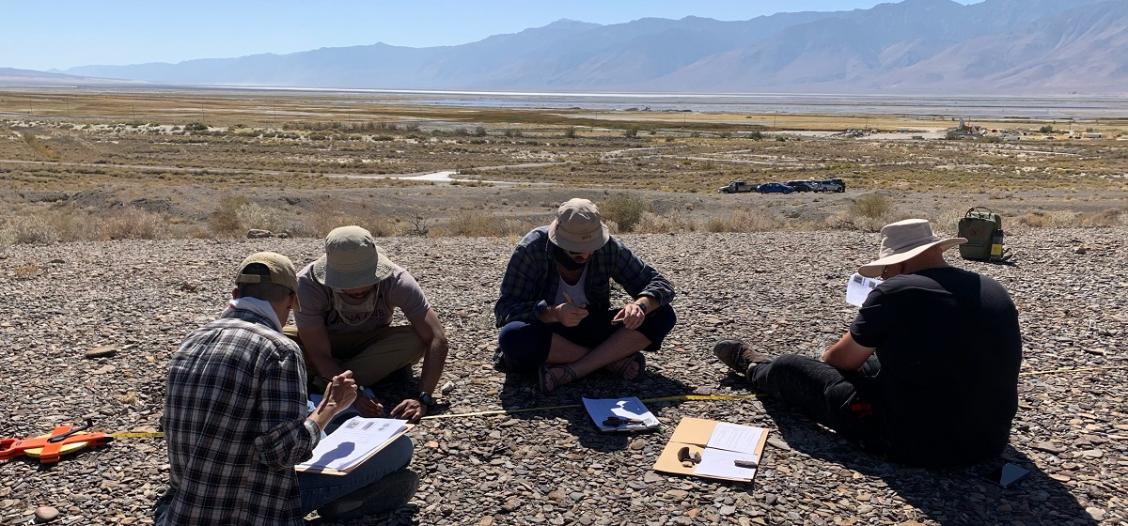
(347, 299)
(555, 310)
(927, 373)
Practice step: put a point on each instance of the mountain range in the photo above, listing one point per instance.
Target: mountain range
(995, 47)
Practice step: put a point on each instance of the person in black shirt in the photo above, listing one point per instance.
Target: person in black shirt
(927, 373)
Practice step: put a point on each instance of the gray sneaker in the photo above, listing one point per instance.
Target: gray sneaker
(381, 496)
(738, 356)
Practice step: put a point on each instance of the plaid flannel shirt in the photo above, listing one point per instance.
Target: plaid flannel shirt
(531, 279)
(235, 422)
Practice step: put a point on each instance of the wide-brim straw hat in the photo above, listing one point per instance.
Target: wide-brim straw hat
(904, 240)
(352, 260)
(578, 227)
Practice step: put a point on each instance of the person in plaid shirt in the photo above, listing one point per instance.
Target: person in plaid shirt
(237, 421)
(555, 309)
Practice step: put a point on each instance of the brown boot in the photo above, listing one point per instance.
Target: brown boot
(738, 356)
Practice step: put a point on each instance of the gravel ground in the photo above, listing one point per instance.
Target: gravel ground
(780, 291)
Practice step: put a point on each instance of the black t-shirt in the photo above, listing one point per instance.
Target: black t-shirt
(949, 347)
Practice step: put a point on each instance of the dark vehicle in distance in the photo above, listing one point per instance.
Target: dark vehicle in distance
(774, 188)
(802, 186)
(737, 187)
(831, 185)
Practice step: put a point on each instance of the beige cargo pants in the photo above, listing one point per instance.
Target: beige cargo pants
(371, 356)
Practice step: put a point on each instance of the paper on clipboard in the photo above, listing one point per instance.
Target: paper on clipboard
(695, 437)
(354, 442)
(858, 289)
(628, 408)
(722, 464)
(735, 438)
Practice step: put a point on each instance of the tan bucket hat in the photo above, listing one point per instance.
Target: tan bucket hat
(352, 260)
(904, 240)
(578, 227)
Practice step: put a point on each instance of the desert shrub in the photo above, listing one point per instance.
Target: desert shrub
(570, 133)
(1069, 219)
(512, 132)
(474, 223)
(625, 210)
(1104, 218)
(652, 223)
(1046, 129)
(756, 135)
(74, 224)
(22, 230)
(132, 223)
(252, 215)
(742, 221)
(478, 223)
(224, 220)
(196, 127)
(630, 133)
(872, 206)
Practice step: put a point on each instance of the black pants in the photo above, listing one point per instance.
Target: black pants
(838, 400)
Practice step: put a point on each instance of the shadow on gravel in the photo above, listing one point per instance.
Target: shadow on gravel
(404, 516)
(520, 392)
(958, 496)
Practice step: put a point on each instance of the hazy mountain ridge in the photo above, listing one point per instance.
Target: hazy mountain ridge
(997, 46)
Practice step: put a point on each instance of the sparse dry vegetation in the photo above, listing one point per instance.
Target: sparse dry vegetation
(126, 165)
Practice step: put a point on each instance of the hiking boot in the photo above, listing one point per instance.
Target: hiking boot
(738, 356)
(381, 496)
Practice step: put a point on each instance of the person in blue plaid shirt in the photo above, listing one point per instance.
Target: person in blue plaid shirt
(555, 309)
(236, 420)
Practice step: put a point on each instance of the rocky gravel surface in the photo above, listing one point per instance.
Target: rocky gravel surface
(779, 291)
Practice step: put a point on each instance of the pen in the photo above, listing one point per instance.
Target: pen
(750, 464)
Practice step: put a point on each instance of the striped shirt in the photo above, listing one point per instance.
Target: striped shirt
(235, 422)
(531, 279)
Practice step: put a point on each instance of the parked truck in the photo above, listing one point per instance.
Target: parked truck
(735, 187)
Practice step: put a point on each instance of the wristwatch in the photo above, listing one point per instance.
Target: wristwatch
(641, 306)
(426, 399)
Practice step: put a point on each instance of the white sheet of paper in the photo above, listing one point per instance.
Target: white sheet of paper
(858, 288)
(353, 441)
(732, 437)
(718, 463)
(626, 407)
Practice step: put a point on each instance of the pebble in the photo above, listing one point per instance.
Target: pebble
(102, 351)
(46, 514)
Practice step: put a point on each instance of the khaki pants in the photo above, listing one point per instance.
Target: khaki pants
(371, 356)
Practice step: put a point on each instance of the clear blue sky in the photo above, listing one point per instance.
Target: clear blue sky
(64, 33)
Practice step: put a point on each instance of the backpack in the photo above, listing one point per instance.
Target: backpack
(983, 230)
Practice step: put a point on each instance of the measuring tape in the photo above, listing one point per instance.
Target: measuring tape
(76, 443)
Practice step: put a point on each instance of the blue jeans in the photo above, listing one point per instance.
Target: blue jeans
(319, 490)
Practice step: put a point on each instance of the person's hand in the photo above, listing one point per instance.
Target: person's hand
(631, 316)
(368, 407)
(339, 394)
(410, 409)
(570, 315)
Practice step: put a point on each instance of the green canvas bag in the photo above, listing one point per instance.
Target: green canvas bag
(983, 230)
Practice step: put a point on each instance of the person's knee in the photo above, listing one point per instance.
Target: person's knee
(399, 453)
(664, 319)
(790, 362)
(513, 336)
